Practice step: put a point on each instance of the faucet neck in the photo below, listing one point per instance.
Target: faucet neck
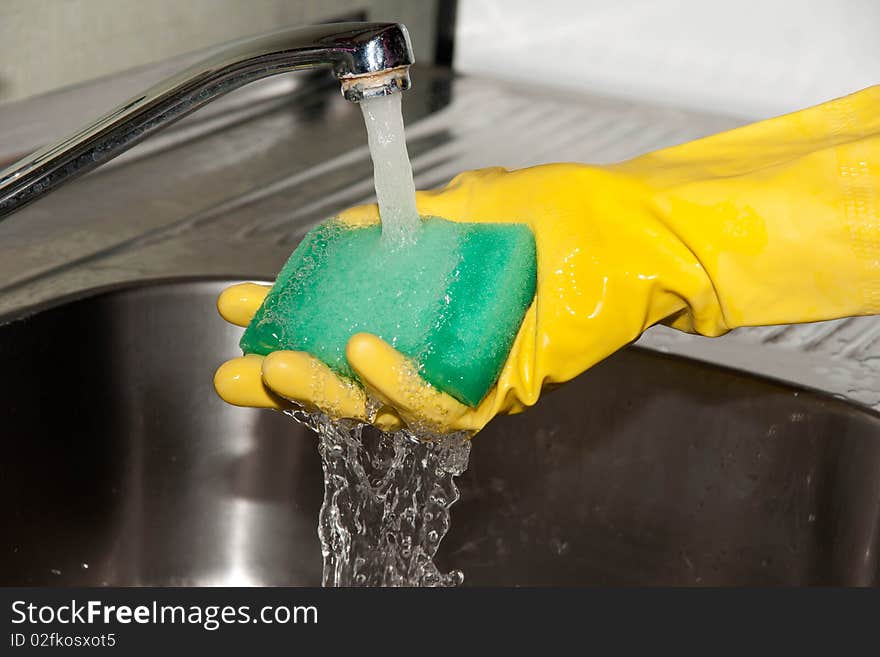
(368, 58)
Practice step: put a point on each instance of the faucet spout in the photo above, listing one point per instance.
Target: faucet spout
(369, 59)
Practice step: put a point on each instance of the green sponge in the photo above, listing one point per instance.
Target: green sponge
(452, 301)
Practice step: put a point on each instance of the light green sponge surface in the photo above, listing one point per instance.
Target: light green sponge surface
(452, 301)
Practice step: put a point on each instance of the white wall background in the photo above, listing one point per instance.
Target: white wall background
(748, 58)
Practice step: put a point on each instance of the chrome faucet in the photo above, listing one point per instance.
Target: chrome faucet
(369, 59)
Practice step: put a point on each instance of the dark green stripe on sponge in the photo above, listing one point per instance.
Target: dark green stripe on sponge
(493, 289)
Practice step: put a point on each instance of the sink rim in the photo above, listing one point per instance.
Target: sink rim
(119, 287)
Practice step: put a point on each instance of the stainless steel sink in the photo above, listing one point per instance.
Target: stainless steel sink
(122, 467)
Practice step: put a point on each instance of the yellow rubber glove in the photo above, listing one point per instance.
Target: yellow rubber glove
(772, 223)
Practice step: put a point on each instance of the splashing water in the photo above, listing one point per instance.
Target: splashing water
(386, 502)
(392, 171)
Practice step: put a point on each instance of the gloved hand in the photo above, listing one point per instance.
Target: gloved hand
(772, 223)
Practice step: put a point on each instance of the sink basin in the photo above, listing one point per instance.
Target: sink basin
(122, 467)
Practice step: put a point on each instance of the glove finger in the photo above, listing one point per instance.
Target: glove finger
(360, 215)
(237, 304)
(302, 378)
(472, 196)
(395, 381)
(239, 382)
